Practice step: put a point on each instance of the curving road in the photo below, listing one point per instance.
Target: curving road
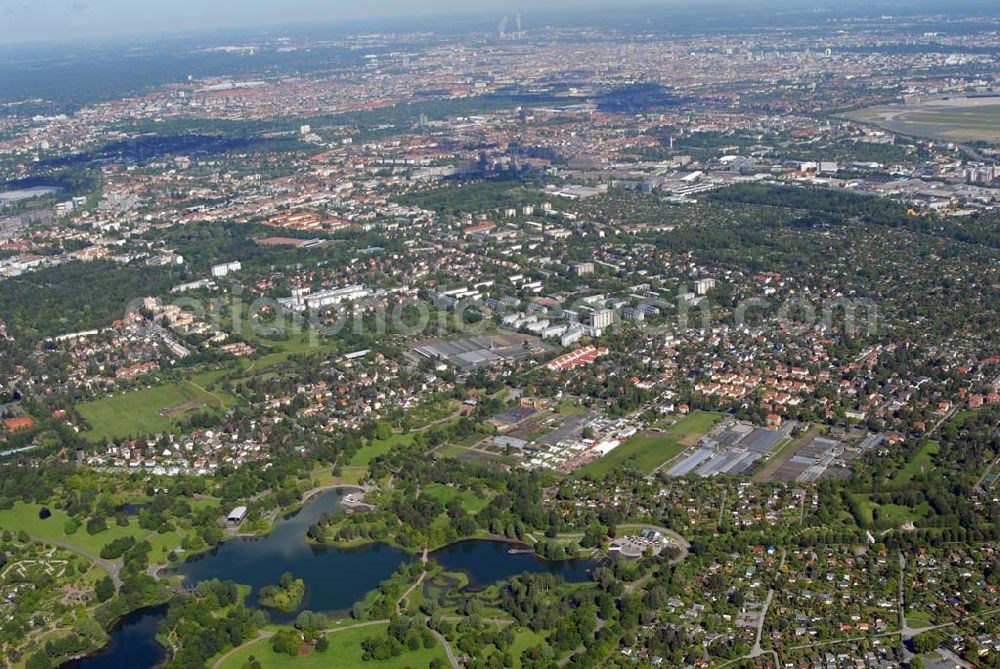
(263, 634)
(452, 659)
(112, 568)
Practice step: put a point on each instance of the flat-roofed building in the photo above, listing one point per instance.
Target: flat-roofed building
(237, 515)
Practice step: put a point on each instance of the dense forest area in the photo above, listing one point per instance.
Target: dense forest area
(841, 207)
(77, 296)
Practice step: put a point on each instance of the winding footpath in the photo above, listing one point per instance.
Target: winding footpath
(452, 659)
(680, 542)
(112, 568)
(264, 634)
(676, 539)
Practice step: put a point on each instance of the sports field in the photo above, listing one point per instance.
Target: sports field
(147, 411)
(649, 451)
(958, 119)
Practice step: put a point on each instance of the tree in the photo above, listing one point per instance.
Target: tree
(287, 641)
(39, 660)
(310, 621)
(96, 525)
(104, 589)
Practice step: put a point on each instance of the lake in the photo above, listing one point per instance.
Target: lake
(133, 643)
(335, 578)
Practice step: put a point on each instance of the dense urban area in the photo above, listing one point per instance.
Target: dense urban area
(506, 345)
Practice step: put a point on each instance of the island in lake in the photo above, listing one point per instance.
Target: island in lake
(286, 596)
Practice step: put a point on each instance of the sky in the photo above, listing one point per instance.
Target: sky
(60, 20)
(37, 21)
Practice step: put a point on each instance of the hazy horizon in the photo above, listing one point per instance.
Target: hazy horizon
(26, 22)
(68, 20)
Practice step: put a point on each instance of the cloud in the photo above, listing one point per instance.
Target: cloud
(79, 6)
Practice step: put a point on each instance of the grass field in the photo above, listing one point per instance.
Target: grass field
(569, 407)
(141, 411)
(366, 454)
(918, 620)
(25, 517)
(450, 451)
(348, 476)
(649, 451)
(524, 639)
(344, 653)
(955, 119)
(890, 515)
(921, 462)
(444, 494)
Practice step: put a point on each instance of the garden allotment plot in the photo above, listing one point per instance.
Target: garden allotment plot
(959, 119)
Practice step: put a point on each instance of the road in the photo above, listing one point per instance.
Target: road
(678, 541)
(112, 568)
(937, 425)
(406, 595)
(757, 651)
(455, 664)
(902, 602)
(263, 634)
(582, 647)
(485, 621)
(930, 628)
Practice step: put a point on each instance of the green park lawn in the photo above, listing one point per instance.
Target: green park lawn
(921, 462)
(649, 451)
(25, 517)
(141, 411)
(524, 639)
(890, 515)
(366, 454)
(344, 653)
(350, 475)
(445, 493)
